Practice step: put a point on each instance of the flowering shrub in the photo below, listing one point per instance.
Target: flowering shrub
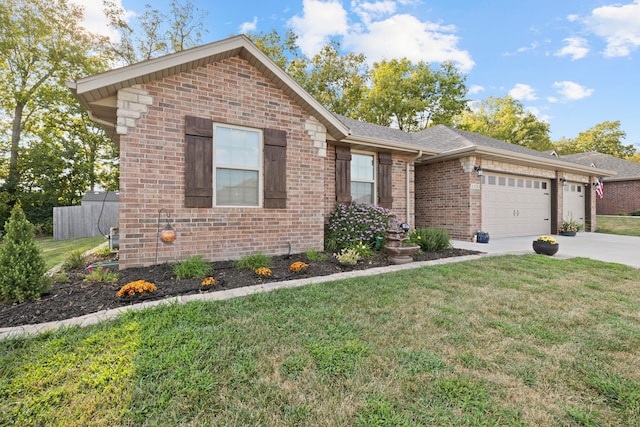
(136, 289)
(347, 256)
(353, 223)
(98, 274)
(208, 281)
(263, 271)
(547, 239)
(362, 249)
(298, 266)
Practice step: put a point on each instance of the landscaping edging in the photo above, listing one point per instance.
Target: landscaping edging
(93, 318)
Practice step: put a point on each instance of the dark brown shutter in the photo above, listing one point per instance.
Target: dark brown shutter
(275, 169)
(385, 163)
(343, 174)
(198, 172)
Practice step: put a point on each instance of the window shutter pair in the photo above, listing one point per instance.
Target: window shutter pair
(199, 165)
(343, 177)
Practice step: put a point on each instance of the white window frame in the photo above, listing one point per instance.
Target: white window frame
(259, 169)
(375, 173)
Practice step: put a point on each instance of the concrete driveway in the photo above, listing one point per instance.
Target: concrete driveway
(598, 246)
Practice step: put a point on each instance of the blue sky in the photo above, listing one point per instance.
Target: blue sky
(573, 63)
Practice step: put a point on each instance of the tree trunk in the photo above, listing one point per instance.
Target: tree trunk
(14, 174)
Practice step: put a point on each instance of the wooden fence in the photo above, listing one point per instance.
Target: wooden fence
(88, 219)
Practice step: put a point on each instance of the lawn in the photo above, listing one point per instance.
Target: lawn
(56, 251)
(624, 225)
(511, 340)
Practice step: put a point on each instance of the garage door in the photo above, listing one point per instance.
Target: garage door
(573, 201)
(515, 205)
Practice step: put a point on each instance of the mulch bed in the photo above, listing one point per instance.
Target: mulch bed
(77, 298)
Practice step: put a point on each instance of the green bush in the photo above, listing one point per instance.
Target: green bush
(352, 223)
(251, 262)
(74, 260)
(348, 256)
(635, 213)
(22, 268)
(192, 267)
(430, 239)
(314, 255)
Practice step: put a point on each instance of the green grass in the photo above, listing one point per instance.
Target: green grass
(511, 341)
(57, 251)
(623, 225)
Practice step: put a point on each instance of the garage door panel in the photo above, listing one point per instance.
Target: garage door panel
(515, 206)
(573, 201)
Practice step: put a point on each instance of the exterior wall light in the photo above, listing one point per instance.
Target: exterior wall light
(478, 170)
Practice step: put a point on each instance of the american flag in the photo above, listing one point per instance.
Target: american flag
(599, 189)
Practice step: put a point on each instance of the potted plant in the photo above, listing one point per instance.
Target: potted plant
(569, 227)
(546, 245)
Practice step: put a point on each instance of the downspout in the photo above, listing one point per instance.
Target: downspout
(408, 184)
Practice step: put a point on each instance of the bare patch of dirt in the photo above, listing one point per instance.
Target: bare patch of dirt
(77, 297)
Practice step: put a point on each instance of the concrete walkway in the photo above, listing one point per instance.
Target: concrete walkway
(603, 247)
(598, 246)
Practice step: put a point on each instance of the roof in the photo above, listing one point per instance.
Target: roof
(627, 170)
(98, 93)
(455, 143)
(101, 196)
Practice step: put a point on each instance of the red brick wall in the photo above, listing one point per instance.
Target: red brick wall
(152, 171)
(619, 197)
(399, 186)
(444, 199)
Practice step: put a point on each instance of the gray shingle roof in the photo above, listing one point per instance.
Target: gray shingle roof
(625, 168)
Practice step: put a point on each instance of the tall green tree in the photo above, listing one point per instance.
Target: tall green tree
(413, 96)
(155, 32)
(42, 45)
(506, 119)
(605, 137)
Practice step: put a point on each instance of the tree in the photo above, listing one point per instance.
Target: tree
(42, 45)
(505, 119)
(22, 268)
(157, 33)
(413, 96)
(605, 138)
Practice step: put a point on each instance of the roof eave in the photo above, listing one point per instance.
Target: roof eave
(518, 158)
(381, 145)
(104, 85)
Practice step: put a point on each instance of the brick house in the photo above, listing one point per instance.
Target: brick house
(622, 191)
(244, 160)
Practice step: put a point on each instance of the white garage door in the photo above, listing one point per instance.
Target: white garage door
(573, 201)
(515, 205)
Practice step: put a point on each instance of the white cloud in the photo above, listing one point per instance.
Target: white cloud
(534, 45)
(405, 36)
(573, 18)
(379, 33)
(368, 11)
(248, 27)
(95, 19)
(476, 89)
(538, 113)
(577, 48)
(523, 92)
(619, 25)
(570, 91)
(319, 21)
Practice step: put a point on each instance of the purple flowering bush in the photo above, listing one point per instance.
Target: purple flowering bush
(355, 223)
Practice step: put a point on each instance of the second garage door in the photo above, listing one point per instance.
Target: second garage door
(515, 205)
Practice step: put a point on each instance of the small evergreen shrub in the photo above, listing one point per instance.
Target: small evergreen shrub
(635, 213)
(22, 268)
(315, 255)
(347, 256)
(192, 267)
(252, 262)
(430, 239)
(355, 222)
(74, 260)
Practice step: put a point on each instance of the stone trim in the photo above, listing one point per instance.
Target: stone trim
(318, 134)
(132, 103)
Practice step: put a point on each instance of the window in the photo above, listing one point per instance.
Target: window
(237, 159)
(363, 178)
